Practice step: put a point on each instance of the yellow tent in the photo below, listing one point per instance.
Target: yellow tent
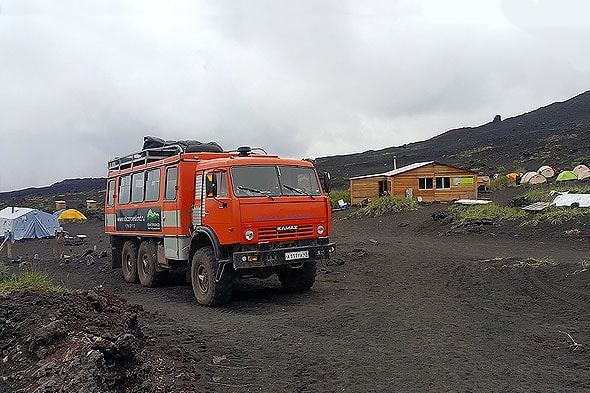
(71, 214)
(512, 176)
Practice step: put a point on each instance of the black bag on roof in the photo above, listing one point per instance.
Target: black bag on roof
(151, 142)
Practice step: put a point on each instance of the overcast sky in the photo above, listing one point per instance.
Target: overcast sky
(84, 81)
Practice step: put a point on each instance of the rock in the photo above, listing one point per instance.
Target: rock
(49, 333)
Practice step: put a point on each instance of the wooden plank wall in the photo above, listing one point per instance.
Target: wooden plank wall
(368, 188)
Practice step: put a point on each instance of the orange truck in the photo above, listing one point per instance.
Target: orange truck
(219, 215)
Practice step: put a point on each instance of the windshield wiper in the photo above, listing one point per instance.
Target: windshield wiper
(256, 191)
(298, 190)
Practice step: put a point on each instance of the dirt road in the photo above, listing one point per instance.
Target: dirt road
(401, 307)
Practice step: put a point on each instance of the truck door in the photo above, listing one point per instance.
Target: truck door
(218, 206)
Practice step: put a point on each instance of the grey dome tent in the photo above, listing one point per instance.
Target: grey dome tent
(546, 171)
(26, 223)
(581, 170)
(526, 177)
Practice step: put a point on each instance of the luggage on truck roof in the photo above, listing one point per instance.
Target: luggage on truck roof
(155, 149)
(186, 145)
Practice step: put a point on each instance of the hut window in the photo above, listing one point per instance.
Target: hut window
(443, 182)
(425, 183)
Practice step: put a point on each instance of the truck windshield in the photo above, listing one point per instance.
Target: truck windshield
(274, 181)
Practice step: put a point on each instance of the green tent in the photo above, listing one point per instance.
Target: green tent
(567, 175)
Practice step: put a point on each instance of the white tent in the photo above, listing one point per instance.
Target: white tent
(25, 223)
(537, 179)
(546, 171)
(583, 174)
(525, 178)
(580, 169)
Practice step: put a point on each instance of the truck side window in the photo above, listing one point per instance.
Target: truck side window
(111, 194)
(152, 185)
(171, 181)
(138, 186)
(222, 184)
(124, 189)
(221, 181)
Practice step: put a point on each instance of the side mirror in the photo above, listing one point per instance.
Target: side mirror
(326, 179)
(211, 185)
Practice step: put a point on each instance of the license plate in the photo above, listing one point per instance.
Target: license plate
(294, 255)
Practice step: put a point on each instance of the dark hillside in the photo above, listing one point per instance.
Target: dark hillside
(68, 186)
(557, 135)
(74, 192)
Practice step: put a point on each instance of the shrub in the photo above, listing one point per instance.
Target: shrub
(30, 279)
(336, 195)
(488, 211)
(557, 215)
(536, 262)
(501, 182)
(387, 204)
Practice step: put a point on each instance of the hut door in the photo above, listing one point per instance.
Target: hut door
(409, 193)
(383, 188)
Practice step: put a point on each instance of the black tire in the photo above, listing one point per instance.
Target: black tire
(299, 279)
(116, 257)
(147, 261)
(209, 292)
(129, 261)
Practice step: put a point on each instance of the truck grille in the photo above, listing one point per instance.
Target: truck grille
(269, 234)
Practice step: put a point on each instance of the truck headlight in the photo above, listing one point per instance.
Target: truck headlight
(321, 229)
(249, 234)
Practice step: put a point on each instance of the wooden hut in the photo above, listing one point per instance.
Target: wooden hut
(91, 204)
(422, 181)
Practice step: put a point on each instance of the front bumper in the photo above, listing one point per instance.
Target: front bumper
(281, 256)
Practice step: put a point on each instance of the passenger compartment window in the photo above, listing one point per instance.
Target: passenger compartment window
(152, 185)
(138, 187)
(171, 181)
(111, 194)
(124, 189)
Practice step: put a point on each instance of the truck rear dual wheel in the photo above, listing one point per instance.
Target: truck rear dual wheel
(147, 261)
(208, 291)
(298, 279)
(129, 261)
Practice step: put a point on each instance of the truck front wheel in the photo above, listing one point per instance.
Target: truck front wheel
(298, 279)
(129, 261)
(208, 290)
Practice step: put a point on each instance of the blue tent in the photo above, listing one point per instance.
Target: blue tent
(25, 223)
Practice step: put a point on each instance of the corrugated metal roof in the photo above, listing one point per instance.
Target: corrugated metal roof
(395, 171)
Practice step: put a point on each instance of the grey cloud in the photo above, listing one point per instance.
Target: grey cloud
(297, 78)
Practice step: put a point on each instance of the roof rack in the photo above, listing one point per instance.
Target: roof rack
(144, 157)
